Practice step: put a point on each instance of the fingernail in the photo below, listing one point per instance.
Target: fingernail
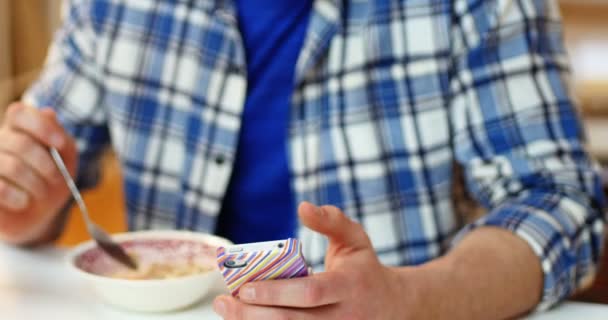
(247, 293)
(319, 211)
(57, 140)
(314, 208)
(17, 199)
(219, 307)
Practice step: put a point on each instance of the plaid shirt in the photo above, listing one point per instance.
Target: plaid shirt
(388, 94)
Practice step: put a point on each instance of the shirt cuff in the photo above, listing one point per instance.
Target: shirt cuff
(536, 220)
(88, 174)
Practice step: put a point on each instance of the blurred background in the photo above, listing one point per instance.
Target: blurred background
(26, 27)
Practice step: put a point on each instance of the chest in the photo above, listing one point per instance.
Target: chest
(377, 72)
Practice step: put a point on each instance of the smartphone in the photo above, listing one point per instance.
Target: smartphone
(240, 264)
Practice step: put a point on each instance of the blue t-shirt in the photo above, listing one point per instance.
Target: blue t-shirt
(259, 204)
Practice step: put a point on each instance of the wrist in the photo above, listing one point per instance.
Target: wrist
(424, 290)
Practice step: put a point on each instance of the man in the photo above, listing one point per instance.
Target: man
(225, 114)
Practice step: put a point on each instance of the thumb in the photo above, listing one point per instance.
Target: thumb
(69, 152)
(49, 113)
(333, 223)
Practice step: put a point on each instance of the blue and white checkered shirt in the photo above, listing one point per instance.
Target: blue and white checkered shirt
(389, 93)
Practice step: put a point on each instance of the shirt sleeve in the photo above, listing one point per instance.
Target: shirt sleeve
(519, 138)
(70, 82)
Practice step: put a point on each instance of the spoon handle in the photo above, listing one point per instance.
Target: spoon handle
(71, 185)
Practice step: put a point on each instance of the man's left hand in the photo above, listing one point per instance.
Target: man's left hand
(355, 285)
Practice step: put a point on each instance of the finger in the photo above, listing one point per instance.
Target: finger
(317, 290)
(11, 198)
(41, 127)
(49, 113)
(68, 152)
(21, 175)
(230, 308)
(32, 153)
(334, 224)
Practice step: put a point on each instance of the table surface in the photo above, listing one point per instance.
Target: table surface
(38, 285)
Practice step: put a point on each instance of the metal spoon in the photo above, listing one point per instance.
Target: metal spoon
(102, 239)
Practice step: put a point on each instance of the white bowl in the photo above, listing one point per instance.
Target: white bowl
(158, 295)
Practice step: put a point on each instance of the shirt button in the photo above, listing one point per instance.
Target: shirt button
(219, 159)
(225, 15)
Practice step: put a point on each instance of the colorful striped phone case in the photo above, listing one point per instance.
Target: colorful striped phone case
(259, 261)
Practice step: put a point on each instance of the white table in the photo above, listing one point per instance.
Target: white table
(37, 285)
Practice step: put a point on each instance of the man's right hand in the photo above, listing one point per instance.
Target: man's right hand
(32, 190)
